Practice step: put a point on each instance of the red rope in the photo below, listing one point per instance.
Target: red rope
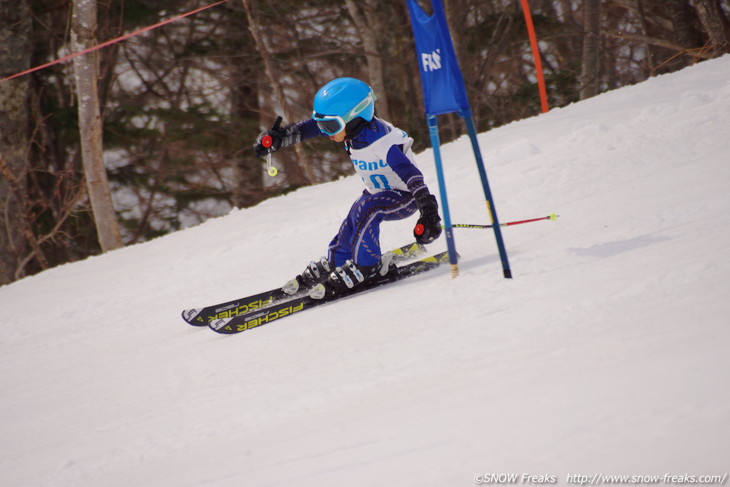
(113, 41)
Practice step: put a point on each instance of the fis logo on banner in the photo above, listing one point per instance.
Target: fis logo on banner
(431, 62)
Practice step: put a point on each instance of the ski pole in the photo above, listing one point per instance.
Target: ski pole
(267, 142)
(551, 216)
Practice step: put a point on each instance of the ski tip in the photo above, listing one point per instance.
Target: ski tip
(218, 324)
(190, 314)
(193, 317)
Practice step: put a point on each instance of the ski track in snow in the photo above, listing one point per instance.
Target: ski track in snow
(607, 352)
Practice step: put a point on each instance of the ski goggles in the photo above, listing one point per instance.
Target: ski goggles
(330, 124)
(333, 124)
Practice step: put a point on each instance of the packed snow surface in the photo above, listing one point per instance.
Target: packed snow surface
(608, 353)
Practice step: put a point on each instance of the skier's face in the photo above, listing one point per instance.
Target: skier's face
(339, 136)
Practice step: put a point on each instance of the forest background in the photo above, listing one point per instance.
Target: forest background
(178, 107)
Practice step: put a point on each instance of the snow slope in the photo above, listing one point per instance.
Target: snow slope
(607, 353)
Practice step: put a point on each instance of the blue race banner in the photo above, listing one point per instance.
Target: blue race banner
(441, 79)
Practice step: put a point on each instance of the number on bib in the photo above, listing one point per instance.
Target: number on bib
(379, 181)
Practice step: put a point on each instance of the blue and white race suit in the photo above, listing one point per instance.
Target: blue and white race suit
(381, 155)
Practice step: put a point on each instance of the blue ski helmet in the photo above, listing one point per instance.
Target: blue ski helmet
(340, 101)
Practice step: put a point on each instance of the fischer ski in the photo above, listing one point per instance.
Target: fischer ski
(287, 307)
(202, 316)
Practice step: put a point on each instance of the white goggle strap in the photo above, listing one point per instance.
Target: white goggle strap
(370, 98)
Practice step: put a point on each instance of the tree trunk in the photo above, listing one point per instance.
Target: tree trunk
(650, 54)
(15, 50)
(715, 23)
(300, 173)
(683, 18)
(589, 77)
(86, 72)
(366, 25)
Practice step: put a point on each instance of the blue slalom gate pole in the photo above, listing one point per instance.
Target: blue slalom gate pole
(444, 91)
(469, 120)
(433, 131)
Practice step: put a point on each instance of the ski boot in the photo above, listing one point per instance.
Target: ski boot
(315, 272)
(343, 279)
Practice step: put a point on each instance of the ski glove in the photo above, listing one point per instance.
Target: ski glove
(428, 227)
(275, 138)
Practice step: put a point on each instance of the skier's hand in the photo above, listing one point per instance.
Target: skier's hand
(270, 140)
(428, 227)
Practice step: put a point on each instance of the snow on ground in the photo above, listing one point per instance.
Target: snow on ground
(607, 353)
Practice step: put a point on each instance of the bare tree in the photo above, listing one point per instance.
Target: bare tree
(683, 18)
(15, 35)
(716, 25)
(367, 23)
(86, 72)
(591, 49)
(300, 171)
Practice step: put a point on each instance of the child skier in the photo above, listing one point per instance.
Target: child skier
(344, 109)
